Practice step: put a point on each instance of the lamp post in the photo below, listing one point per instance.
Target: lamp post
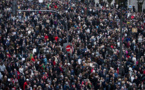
(121, 20)
(121, 39)
(67, 29)
(87, 6)
(14, 7)
(67, 22)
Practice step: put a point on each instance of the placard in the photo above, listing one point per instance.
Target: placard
(130, 6)
(134, 30)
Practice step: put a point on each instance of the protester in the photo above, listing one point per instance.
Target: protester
(32, 55)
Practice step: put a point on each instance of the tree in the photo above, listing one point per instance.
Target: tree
(121, 3)
(109, 1)
(140, 3)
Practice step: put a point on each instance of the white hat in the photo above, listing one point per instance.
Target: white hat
(27, 79)
(9, 79)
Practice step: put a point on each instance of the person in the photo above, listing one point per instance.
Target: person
(26, 85)
(33, 55)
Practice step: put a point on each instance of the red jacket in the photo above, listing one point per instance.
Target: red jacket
(56, 38)
(25, 84)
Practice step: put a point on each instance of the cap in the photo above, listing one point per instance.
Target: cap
(27, 79)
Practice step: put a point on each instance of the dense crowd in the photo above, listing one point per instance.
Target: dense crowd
(32, 56)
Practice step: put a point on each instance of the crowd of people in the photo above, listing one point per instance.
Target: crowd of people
(32, 55)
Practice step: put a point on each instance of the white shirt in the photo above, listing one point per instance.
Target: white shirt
(140, 39)
(118, 44)
(2, 68)
(88, 30)
(132, 78)
(34, 50)
(29, 32)
(134, 60)
(1, 76)
(21, 70)
(79, 61)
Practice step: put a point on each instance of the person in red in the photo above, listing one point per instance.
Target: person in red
(56, 38)
(8, 55)
(46, 37)
(55, 6)
(33, 59)
(54, 63)
(25, 84)
(144, 72)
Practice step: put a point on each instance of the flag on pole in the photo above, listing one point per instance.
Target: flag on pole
(48, 5)
(31, 57)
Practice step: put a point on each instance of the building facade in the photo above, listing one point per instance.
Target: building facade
(143, 6)
(129, 3)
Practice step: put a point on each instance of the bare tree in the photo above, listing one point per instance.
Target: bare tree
(140, 3)
(109, 1)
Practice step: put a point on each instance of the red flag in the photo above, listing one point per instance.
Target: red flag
(92, 70)
(112, 46)
(32, 59)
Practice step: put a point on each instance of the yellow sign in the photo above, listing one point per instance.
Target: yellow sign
(128, 22)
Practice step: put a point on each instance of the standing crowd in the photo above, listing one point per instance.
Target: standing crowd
(32, 56)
